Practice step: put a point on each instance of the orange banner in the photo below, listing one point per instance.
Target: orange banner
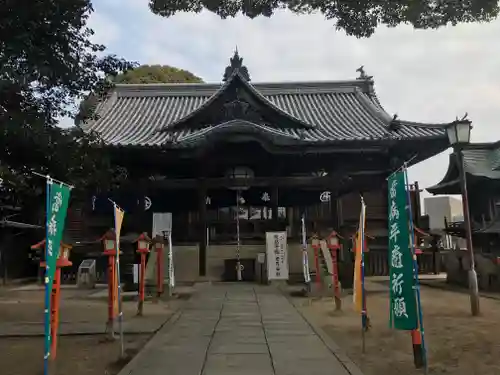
(118, 226)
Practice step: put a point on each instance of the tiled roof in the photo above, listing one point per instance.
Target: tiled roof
(329, 112)
(481, 163)
(480, 160)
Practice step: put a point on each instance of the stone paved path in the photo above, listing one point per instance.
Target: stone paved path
(237, 329)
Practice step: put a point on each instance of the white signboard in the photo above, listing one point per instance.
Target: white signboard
(277, 256)
(162, 222)
(162, 225)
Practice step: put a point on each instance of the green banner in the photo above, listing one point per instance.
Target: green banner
(403, 307)
(56, 216)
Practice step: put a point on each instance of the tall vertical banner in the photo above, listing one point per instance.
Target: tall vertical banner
(403, 309)
(277, 256)
(57, 207)
(358, 261)
(171, 274)
(119, 214)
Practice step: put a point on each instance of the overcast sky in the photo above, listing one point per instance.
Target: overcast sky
(427, 76)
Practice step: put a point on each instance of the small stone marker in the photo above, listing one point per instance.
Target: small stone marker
(86, 277)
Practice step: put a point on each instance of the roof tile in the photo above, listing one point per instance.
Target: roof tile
(336, 111)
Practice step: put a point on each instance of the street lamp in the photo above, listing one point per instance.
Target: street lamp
(459, 136)
(458, 133)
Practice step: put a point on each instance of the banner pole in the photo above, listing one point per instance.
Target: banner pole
(401, 167)
(420, 325)
(48, 178)
(171, 269)
(47, 291)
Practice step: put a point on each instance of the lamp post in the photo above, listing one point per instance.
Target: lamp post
(143, 242)
(459, 135)
(159, 243)
(110, 250)
(333, 243)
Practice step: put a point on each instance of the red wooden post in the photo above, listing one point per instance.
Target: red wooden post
(416, 337)
(109, 242)
(315, 244)
(54, 312)
(159, 246)
(143, 242)
(55, 296)
(334, 245)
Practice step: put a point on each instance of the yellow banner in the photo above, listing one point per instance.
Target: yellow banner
(118, 227)
(358, 248)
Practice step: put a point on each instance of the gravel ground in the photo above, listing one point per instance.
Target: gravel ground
(80, 355)
(457, 343)
(76, 355)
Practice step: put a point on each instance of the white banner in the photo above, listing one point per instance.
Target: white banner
(305, 267)
(171, 275)
(327, 256)
(305, 255)
(277, 256)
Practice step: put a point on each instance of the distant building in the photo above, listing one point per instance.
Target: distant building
(482, 170)
(443, 208)
(439, 208)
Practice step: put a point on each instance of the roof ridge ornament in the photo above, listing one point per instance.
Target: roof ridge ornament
(394, 124)
(362, 74)
(236, 66)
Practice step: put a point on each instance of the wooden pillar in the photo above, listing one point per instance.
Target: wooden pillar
(141, 217)
(274, 207)
(417, 208)
(334, 212)
(202, 225)
(4, 248)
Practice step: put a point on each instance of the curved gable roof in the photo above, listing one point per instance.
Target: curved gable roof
(480, 161)
(235, 79)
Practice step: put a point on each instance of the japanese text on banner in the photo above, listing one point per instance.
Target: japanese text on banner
(56, 216)
(403, 309)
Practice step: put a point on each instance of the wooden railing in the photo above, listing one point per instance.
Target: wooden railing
(377, 263)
